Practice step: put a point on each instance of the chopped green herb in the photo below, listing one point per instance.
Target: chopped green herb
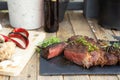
(90, 46)
(116, 45)
(48, 42)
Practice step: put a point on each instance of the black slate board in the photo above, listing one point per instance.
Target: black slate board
(61, 66)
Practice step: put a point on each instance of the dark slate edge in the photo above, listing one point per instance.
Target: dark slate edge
(47, 68)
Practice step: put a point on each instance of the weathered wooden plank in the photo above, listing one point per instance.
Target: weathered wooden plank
(29, 72)
(65, 29)
(99, 32)
(80, 24)
(77, 77)
(38, 67)
(118, 77)
(50, 78)
(103, 77)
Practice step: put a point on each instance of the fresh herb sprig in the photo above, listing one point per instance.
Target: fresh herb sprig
(116, 45)
(47, 42)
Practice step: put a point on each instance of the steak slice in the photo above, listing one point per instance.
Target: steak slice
(78, 55)
(53, 50)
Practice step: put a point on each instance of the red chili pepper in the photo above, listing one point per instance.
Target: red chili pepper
(13, 35)
(18, 33)
(5, 38)
(22, 31)
(8, 39)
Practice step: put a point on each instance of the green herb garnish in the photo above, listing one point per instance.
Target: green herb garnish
(90, 46)
(48, 42)
(116, 45)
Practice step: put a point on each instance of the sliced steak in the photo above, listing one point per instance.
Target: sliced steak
(79, 54)
(53, 50)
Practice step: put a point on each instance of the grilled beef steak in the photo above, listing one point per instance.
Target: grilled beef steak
(113, 54)
(86, 52)
(111, 59)
(78, 55)
(53, 50)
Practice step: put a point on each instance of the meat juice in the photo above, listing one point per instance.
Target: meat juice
(51, 12)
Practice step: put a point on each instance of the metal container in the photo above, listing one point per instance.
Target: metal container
(110, 14)
(91, 8)
(62, 8)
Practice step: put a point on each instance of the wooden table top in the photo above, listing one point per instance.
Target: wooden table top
(73, 24)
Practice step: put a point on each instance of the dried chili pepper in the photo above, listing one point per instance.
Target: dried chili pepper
(6, 38)
(21, 31)
(17, 35)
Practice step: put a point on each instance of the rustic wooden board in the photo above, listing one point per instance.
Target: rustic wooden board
(80, 25)
(65, 29)
(29, 72)
(21, 56)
